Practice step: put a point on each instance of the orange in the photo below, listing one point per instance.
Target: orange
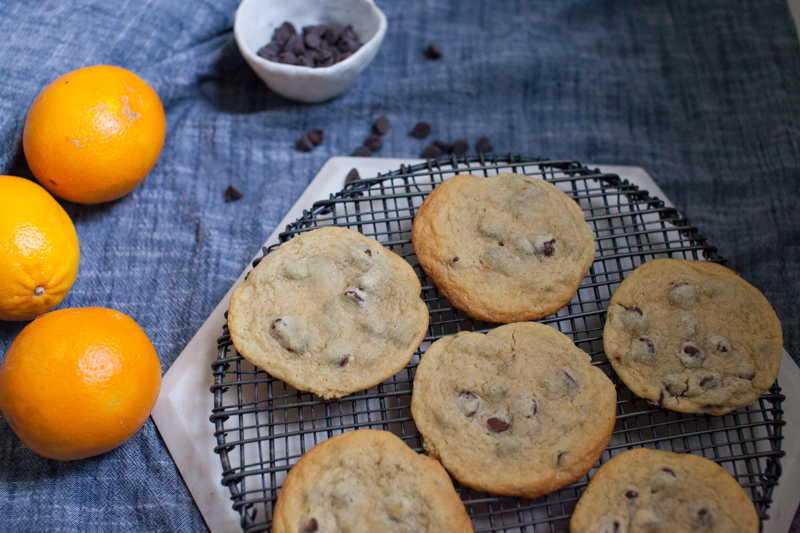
(39, 251)
(94, 134)
(79, 382)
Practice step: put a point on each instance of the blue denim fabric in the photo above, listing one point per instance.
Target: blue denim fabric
(704, 95)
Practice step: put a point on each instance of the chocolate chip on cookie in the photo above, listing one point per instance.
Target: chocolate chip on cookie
(691, 355)
(469, 403)
(291, 335)
(498, 424)
(312, 526)
(357, 295)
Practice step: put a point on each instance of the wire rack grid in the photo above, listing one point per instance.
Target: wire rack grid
(263, 426)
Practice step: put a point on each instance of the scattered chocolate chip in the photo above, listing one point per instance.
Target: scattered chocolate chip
(460, 147)
(305, 144)
(497, 424)
(355, 296)
(469, 403)
(368, 252)
(548, 247)
(352, 176)
(443, 146)
(669, 471)
(722, 348)
(616, 526)
(381, 125)
(455, 260)
(661, 397)
(534, 408)
(343, 360)
(483, 145)
(432, 152)
(571, 382)
(651, 346)
(362, 151)
(635, 309)
(374, 143)
(631, 494)
(311, 527)
(433, 52)
(316, 136)
(420, 130)
(692, 350)
(232, 194)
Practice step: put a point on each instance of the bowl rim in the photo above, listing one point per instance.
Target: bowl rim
(283, 68)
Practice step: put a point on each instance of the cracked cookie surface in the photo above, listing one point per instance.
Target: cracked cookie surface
(650, 491)
(330, 311)
(519, 411)
(692, 336)
(366, 481)
(508, 248)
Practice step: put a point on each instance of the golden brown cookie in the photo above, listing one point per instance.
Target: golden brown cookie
(367, 481)
(504, 249)
(519, 411)
(650, 491)
(692, 336)
(330, 311)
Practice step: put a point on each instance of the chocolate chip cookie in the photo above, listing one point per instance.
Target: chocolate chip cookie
(503, 249)
(330, 311)
(692, 336)
(519, 411)
(646, 490)
(367, 481)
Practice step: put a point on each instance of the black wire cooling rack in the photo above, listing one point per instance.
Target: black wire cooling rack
(263, 426)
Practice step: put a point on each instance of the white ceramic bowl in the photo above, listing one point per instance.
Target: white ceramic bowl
(256, 20)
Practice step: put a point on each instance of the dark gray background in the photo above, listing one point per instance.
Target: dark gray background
(704, 95)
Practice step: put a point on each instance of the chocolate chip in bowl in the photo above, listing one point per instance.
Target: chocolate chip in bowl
(309, 51)
(317, 46)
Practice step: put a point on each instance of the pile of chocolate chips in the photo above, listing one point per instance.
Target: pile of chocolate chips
(318, 46)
